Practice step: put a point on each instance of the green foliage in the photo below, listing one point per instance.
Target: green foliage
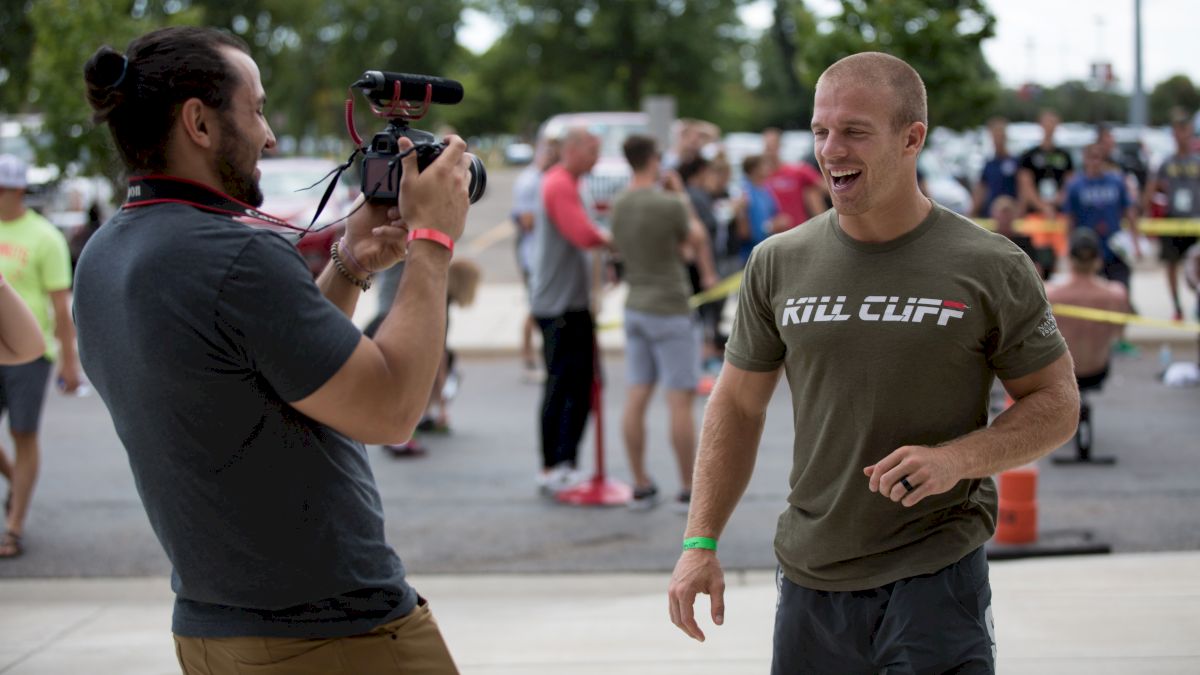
(14, 53)
(65, 33)
(589, 55)
(1074, 101)
(1174, 92)
(941, 39)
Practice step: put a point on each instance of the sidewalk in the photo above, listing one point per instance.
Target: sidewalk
(1133, 613)
(492, 326)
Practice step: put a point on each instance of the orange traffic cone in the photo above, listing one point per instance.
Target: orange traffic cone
(1017, 522)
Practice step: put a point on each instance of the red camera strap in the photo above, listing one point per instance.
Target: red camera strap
(150, 190)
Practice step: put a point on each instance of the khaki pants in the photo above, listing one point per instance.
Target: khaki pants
(410, 645)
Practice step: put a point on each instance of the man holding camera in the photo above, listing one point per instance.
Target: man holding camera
(240, 389)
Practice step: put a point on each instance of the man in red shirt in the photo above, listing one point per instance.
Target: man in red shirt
(560, 301)
(797, 187)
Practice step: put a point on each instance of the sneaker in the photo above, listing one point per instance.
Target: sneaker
(644, 498)
(431, 425)
(409, 448)
(551, 481)
(531, 374)
(682, 502)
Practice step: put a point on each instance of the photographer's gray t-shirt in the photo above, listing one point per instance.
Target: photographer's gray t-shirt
(197, 331)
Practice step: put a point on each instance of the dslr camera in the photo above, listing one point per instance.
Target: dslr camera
(401, 98)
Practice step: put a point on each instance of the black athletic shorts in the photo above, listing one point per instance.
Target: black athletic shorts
(22, 394)
(1173, 248)
(934, 623)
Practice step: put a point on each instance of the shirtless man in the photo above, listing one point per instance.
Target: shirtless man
(1090, 342)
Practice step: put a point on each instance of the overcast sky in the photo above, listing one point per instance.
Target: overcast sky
(1042, 41)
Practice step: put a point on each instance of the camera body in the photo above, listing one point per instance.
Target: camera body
(403, 97)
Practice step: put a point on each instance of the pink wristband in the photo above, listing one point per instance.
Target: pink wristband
(349, 255)
(432, 235)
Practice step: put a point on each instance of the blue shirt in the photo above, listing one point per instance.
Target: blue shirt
(761, 207)
(1098, 204)
(999, 177)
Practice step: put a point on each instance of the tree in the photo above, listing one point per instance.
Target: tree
(14, 53)
(65, 33)
(587, 54)
(941, 39)
(1174, 92)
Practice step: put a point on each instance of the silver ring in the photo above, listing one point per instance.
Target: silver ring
(907, 485)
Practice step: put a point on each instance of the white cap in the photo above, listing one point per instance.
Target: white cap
(13, 172)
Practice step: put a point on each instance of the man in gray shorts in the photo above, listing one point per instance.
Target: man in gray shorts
(650, 229)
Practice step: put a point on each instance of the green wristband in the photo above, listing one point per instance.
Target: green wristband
(700, 542)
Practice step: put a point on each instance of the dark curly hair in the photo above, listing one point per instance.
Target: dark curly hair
(139, 93)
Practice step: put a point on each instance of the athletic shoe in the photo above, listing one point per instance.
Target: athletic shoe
(554, 480)
(430, 425)
(644, 498)
(409, 448)
(531, 374)
(682, 502)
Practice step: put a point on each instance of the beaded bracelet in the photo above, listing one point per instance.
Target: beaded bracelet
(364, 284)
(348, 252)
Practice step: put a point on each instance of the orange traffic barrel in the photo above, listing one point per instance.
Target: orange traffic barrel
(1017, 521)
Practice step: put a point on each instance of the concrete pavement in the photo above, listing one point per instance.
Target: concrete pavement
(1136, 613)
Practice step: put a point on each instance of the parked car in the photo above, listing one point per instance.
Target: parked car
(611, 173)
(287, 195)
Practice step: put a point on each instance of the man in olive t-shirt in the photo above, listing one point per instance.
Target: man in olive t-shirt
(890, 316)
(651, 229)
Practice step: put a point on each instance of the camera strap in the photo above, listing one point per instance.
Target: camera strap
(150, 190)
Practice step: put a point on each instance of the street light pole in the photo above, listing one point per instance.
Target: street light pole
(1137, 103)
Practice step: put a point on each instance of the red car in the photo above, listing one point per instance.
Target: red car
(283, 184)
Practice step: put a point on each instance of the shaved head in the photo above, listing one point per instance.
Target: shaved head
(878, 71)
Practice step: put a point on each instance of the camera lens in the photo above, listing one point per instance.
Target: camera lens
(478, 179)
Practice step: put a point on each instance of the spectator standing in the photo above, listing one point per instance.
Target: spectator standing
(561, 303)
(34, 262)
(1179, 178)
(240, 388)
(1004, 216)
(759, 216)
(798, 188)
(1099, 201)
(527, 194)
(881, 543)
(1044, 173)
(999, 175)
(652, 228)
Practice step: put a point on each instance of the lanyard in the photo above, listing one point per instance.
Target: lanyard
(149, 190)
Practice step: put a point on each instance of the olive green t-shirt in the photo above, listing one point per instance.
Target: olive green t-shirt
(885, 345)
(648, 226)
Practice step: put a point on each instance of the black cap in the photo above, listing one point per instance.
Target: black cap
(1085, 245)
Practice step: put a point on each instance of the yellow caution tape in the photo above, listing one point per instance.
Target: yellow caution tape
(718, 292)
(1157, 227)
(1106, 316)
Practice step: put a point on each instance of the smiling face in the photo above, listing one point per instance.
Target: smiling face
(244, 132)
(867, 162)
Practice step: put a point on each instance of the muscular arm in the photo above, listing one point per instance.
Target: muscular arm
(20, 335)
(1043, 416)
(733, 425)
(378, 395)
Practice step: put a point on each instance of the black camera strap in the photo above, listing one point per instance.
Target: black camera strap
(150, 190)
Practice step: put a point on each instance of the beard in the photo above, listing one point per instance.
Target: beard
(237, 177)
